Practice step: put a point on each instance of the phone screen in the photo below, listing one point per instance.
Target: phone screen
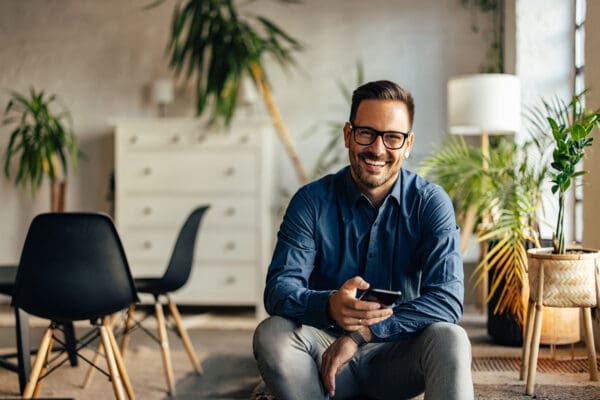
(385, 297)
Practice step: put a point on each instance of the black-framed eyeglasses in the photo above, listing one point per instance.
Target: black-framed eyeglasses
(366, 136)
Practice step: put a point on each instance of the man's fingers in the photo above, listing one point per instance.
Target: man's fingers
(366, 305)
(352, 323)
(328, 375)
(355, 283)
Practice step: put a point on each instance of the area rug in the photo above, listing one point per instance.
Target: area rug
(499, 392)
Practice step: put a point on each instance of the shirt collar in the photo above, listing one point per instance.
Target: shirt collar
(354, 194)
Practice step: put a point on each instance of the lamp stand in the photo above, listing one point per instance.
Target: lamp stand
(482, 289)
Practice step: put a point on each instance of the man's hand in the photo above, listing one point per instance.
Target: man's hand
(334, 359)
(349, 312)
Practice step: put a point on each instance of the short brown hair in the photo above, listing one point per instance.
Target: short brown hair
(382, 90)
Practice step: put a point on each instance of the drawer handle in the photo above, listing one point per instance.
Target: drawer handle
(147, 171)
(147, 245)
(147, 210)
(175, 139)
(230, 280)
(133, 140)
(230, 171)
(230, 212)
(201, 138)
(230, 246)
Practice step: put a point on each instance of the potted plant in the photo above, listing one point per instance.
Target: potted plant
(508, 190)
(41, 144)
(216, 46)
(560, 276)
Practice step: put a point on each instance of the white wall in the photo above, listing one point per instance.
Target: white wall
(100, 57)
(544, 64)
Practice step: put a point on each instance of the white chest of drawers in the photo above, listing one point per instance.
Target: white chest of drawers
(166, 167)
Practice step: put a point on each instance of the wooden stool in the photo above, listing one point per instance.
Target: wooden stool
(568, 280)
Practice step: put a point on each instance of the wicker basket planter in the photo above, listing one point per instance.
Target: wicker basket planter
(569, 279)
(560, 280)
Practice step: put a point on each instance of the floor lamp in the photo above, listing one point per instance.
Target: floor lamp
(483, 105)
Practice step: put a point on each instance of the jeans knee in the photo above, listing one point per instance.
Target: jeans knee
(450, 341)
(271, 338)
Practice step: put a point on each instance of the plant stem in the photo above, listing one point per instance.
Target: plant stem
(560, 233)
(284, 135)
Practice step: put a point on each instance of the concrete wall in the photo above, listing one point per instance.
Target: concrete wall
(101, 56)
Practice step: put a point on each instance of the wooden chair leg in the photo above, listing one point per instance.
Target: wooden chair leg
(38, 363)
(91, 370)
(128, 325)
(119, 360)
(589, 342)
(164, 346)
(184, 335)
(527, 340)
(535, 347)
(112, 365)
(40, 382)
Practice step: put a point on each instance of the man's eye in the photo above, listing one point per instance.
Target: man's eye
(366, 132)
(394, 138)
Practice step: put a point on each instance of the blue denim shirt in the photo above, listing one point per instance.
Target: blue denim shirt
(331, 232)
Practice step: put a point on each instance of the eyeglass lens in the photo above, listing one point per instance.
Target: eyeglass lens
(366, 136)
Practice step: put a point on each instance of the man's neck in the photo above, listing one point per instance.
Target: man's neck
(378, 194)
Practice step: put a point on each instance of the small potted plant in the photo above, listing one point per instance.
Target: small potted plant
(560, 276)
(40, 144)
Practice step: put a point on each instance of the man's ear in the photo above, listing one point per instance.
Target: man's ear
(409, 144)
(347, 132)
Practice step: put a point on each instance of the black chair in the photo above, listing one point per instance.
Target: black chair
(73, 268)
(21, 366)
(177, 273)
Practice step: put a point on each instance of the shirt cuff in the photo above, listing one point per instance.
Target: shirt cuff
(316, 310)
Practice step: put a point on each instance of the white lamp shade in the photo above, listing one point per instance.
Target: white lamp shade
(163, 91)
(484, 103)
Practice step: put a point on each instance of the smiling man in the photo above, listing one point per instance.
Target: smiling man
(371, 225)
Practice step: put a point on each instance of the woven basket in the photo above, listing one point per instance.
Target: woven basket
(570, 280)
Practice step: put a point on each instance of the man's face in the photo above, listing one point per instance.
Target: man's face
(375, 166)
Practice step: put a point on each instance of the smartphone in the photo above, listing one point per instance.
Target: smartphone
(385, 297)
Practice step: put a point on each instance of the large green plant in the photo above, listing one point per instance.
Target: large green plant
(215, 45)
(513, 199)
(41, 142)
(506, 187)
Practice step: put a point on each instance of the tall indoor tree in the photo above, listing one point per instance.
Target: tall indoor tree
(214, 45)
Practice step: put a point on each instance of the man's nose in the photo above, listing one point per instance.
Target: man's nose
(377, 146)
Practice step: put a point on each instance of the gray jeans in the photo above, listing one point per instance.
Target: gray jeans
(437, 362)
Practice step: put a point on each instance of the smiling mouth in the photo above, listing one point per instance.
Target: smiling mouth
(373, 162)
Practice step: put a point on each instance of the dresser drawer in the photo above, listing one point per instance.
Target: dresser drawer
(224, 284)
(177, 136)
(155, 245)
(190, 172)
(168, 211)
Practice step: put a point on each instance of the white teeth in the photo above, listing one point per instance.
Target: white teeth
(375, 162)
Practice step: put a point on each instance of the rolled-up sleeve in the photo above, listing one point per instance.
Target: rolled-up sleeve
(286, 291)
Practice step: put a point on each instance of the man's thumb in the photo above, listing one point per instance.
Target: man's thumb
(355, 283)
